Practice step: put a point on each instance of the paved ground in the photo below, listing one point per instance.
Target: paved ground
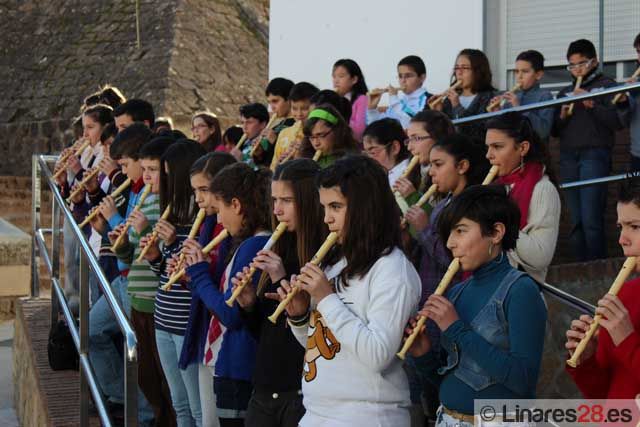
(7, 412)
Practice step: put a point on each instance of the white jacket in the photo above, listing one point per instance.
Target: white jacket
(352, 376)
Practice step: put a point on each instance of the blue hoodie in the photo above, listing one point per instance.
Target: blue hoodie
(195, 336)
(236, 359)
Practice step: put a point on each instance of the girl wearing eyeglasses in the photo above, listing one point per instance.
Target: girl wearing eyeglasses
(474, 93)
(206, 130)
(424, 130)
(383, 141)
(327, 135)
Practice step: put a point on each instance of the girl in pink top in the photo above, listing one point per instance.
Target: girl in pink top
(348, 81)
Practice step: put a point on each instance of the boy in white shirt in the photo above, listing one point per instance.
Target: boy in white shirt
(405, 104)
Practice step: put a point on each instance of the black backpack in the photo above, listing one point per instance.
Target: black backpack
(61, 348)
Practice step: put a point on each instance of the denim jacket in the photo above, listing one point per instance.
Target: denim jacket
(491, 324)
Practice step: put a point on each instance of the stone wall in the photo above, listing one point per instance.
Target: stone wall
(194, 54)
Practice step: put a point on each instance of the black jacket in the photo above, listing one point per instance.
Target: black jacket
(478, 106)
(588, 127)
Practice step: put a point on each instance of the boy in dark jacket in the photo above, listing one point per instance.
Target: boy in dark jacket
(629, 111)
(586, 138)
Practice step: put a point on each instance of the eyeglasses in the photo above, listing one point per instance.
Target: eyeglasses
(582, 64)
(320, 135)
(375, 150)
(462, 68)
(417, 138)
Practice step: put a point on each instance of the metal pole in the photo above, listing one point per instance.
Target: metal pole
(550, 103)
(35, 225)
(84, 338)
(55, 256)
(138, 24)
(130, 389)
(601, 34)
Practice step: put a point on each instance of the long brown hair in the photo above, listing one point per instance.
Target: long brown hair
(343, 140)
(481, 70)
(298, 247)
(175, 188)
(373, 217)
(212, 121)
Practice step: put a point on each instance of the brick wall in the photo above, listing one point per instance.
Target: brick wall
(587, 281)
(620, 164)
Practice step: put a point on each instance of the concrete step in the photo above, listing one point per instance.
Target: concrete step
(42, 396)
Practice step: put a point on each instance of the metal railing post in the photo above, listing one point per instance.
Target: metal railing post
(55, 257)
(80, 332)
(130, 385)
(35, 225)
(84, 337)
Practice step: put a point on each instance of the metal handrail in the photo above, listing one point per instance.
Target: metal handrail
(568, 299)
(603, 180)
(559, 101)
(87, 261)
(121, 318)
(550, 103)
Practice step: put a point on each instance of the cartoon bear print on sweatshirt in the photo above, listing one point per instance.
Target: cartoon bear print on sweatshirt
(320, 343)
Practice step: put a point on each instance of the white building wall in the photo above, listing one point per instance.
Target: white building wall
(306, 37)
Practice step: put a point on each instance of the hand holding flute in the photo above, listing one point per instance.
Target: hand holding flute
(415, 160)
(331, 239)
(584, 344)
(208, 248)
(380, 91)
(248, 276)
(267, 133)
(415, 215)
(95, 211)
(192, 234)
(375, 95)
(63, 161)
(578, 83)
(632, 79)
(83, 185)
(133, 216)
(154, 235)
(435, 101)
(444, 282)
(498, 102)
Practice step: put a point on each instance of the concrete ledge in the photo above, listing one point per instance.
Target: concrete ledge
(15, 245)
(15, 257)
(43, 397)
(29, 402)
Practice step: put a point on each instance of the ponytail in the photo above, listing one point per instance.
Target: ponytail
(252, 189)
